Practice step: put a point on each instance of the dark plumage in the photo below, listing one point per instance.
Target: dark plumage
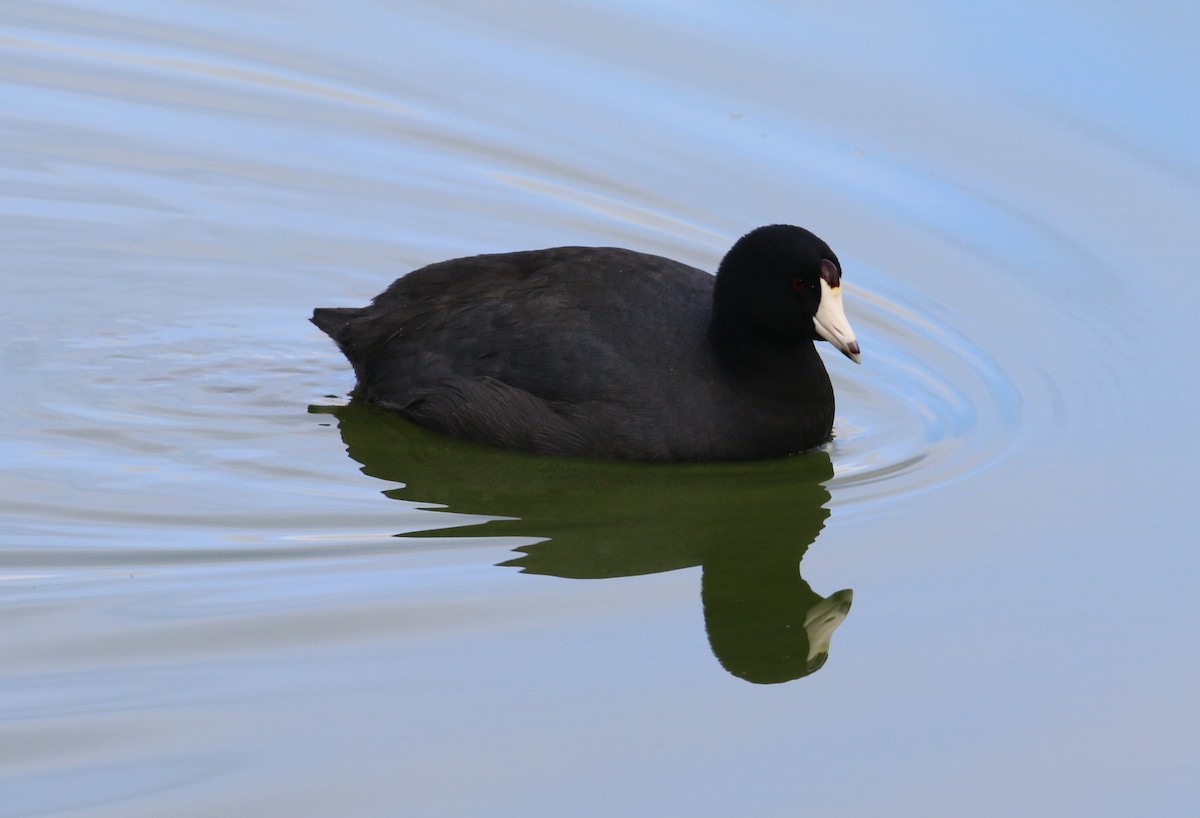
(599, 351)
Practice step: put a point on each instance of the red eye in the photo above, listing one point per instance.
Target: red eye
(797, 284)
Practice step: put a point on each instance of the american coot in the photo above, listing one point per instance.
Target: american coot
(604, 352)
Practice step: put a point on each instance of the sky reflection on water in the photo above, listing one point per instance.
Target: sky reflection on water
(210, 609)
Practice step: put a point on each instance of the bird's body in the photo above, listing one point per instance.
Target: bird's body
(592, 351)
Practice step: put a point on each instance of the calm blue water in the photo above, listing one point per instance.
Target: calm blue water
(225, 592)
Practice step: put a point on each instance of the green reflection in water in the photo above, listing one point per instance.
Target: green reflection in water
(747, 525)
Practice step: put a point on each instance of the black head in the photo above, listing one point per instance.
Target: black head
(783, 282)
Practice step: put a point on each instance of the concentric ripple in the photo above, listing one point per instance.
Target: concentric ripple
(928, 407)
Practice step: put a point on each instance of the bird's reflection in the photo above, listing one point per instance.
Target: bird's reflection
(747, 525)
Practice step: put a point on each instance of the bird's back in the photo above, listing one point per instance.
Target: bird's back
(591, 346)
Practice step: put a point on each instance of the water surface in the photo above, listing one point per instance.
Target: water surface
(225, 590)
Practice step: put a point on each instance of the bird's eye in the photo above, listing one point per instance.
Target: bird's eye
(798, 284)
